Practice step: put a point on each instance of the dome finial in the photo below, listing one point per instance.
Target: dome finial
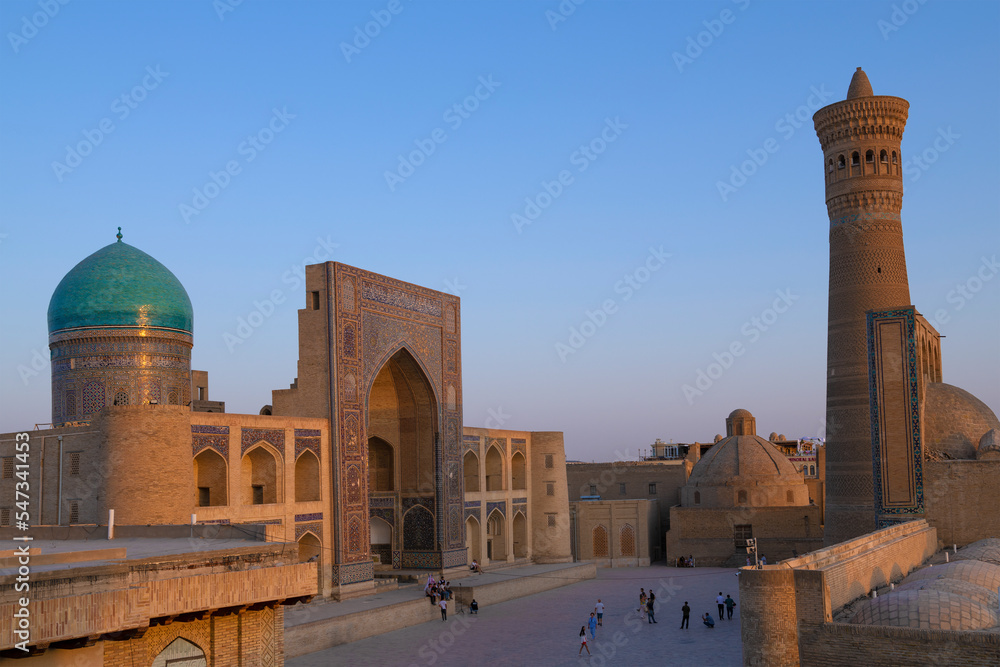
(119, 235)
(860, 85)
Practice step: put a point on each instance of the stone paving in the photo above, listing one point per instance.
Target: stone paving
(543, 629)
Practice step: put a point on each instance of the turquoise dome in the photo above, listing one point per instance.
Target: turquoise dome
(120, 285)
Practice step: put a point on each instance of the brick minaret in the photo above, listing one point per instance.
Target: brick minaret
(860, 138)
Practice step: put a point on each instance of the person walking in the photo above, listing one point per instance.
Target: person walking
(730, 603)
(642, 602)
(444, 609)
(593, 626)
(650, 608)
(600, 612)
(685, 616)
(583, 641)
(721, 601)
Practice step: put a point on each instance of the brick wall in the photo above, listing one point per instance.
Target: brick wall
(956, 493)
(836, 644)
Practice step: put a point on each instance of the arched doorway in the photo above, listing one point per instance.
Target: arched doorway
(307, 477)
(210, 479)
(261, 476)
(494, 469)
(181, 653)
(520, 528)
(381, 540)
(472, 540)
(471, 471)
(403, 429)
(496, 536)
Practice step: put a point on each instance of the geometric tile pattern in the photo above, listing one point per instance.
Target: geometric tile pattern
(274, 437)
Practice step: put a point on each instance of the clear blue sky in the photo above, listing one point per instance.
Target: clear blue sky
(202, 80)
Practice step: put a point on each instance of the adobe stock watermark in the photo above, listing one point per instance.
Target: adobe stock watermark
(581, 158)
(915, 167)
(454, 116)
(264, 309)
(30, 25)
(223, 7)
(595, 319)
(786, 126)
(704, 39)
(966, 291)
(363, 35)
(901, 13)
(39, 362)
(563, 11)
(122, 106)
(248, 149)
(751, 332)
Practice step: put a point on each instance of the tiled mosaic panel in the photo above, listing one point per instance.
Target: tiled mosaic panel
(383, 551)
(316, 528)
(274, 437)
(501, 505)
(421, 560)
(315, 516)
(355, 573)
(455, 557)
(418, 529)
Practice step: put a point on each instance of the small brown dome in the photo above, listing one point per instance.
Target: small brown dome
(954, 421)
(860, 86)
(989, 445)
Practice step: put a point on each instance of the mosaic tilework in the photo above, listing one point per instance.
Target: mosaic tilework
(355, 573)
(455, 557)
(266, 621)
(520, 501)
(212, 521)
(382, 293)
(906, 317)
(383, 551)
(310, 442)
(455, 521)
(315, 516)
(354, 535)
(274, 437)
(418, 529)
(472, 503)
(93, 397)
(200, 441)
(353, 485)
(473, 511)
(316, 528)
(421, 560)
(397, 559)
(499, 442)
(382, 501)
(261, 522)
(501, 505)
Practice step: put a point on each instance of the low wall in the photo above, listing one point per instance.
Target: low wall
(781, 604)
(520, 587)
(956, 493)
(837, 644)
(325, 633)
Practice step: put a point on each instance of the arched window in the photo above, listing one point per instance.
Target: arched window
(883, 157)
(627, 540)
(870, 157)
(518, 475)
(855, 159)
(894, 158)
(697, 497)
(307, 477)
(210, 479)
(181, 652)
(381, 461)
(840, 162)
(812, 470)
(741, 497)
(310, 548)
(260, 477)
(600, 539)
(471, 467)
(121, 397)
(494, 470)
(829, 167)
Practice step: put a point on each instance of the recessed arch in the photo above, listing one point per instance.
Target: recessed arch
(626, 541)
(307, 485)
(599, 541)
(260, 476)
(418, 529)
(520, 530)
(381, 466)
(470, 464)
(472, 540)
(310, 547)
(210, 479)
(494, 469)
(518, 472)
(496, 535)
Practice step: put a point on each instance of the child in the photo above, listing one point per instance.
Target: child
(583, 640)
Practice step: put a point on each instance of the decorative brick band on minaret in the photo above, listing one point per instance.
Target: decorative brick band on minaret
(862, 164)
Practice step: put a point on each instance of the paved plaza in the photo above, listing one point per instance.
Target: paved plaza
(543, 629)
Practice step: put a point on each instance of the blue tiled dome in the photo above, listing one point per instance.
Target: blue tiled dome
(120, 285)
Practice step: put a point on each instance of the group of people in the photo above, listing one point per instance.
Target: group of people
(647, 609)
(439, 592)
(596, 620)
(726, 606)
(685, 562)
(476, 567)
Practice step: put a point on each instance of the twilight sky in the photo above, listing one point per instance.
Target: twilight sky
(571, 171)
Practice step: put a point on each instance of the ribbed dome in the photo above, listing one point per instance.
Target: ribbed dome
(120, 285)
(739, 412)
(954, 421)
(860, 86)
